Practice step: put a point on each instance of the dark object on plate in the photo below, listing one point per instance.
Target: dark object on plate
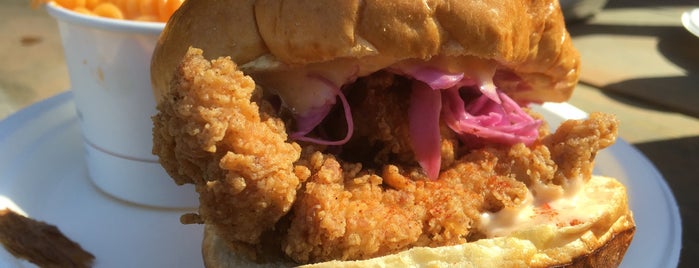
(40, 243)
(578, 10)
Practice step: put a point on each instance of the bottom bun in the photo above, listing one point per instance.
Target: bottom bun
(600, 241)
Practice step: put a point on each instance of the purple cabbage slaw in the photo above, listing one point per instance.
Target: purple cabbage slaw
(310, 119)
(435, 95)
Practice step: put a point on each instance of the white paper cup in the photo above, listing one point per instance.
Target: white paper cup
(109, 66)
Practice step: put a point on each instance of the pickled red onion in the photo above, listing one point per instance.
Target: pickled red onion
(423, 113)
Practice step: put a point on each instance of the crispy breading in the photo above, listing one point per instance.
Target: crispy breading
(575, 143)
(211, 131)
(341, 216)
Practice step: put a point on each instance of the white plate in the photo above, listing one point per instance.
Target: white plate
(690, 20)
(42, 173)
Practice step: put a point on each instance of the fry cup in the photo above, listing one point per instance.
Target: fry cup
(108, 62)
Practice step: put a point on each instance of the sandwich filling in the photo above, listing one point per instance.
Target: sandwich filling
(269, 196)
(459, 91)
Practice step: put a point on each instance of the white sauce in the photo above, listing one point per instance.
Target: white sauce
(568, 205)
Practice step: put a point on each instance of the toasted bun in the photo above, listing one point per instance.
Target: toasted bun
(527, 38)
(599, 242)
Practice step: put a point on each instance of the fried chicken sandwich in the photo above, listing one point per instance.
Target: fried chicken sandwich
(349, 133)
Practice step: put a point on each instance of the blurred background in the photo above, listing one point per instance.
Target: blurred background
(638, 62)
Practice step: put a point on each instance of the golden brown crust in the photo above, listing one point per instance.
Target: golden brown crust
(211, 134)
(526, 37)
(241, 43)
(599, 243)
(216, 254)
(609, 254)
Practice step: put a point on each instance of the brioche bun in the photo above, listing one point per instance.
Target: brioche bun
(599, 242)
(526, 38)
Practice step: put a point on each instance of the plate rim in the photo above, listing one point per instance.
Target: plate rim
(688, 23)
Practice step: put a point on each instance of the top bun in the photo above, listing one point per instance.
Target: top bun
(526, 38)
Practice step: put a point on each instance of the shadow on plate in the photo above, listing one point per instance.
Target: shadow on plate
(677, 159)
(677, 94)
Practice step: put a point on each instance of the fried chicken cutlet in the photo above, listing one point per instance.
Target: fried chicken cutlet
(209, 133)
(216, 130)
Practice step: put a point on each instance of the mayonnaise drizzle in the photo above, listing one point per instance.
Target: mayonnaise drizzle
(565, 205)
